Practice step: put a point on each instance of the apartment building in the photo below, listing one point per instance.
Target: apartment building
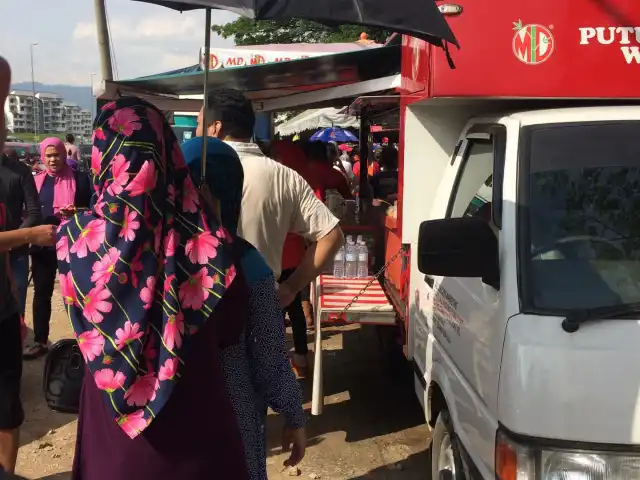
(46, 113)
(76, 119)
(50, 109)
(22, 112)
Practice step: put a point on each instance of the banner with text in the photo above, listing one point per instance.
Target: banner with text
(240, 57)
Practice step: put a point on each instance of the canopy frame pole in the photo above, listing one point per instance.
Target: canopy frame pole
(205, 125)
(104, 45)
(364, 155)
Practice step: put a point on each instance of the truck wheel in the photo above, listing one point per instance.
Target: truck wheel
(445, 458)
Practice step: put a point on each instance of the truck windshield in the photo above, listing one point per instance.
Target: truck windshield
(580, 220)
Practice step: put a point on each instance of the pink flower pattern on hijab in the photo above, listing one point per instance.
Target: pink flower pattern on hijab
(141, 272)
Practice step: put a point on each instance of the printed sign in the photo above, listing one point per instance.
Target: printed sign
(532, 44)
(622, 37)
(240, 57)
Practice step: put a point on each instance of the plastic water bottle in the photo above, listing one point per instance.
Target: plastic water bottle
(351, 260)
(338, 264)
(363, 260)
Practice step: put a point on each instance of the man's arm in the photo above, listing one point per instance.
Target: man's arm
(31, 199)
(316, 258)
(315, 222)
(17, 238)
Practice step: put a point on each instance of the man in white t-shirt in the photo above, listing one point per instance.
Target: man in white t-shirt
(346, 165)
(275, 199)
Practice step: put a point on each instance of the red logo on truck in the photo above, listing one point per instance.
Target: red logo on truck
(532, 44)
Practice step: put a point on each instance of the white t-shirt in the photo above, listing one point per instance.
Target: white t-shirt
(347, 167)
(275, 201)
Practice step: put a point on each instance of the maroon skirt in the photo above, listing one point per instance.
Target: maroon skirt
(194, 437)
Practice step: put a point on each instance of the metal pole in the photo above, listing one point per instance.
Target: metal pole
(205, 126)
(92, 97)
(33, 90)
(364, 153)
(317, 391)
(103, 40)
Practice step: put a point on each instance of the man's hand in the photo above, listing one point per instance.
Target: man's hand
(285, 295)
(294, 441)
(43, 235)
(68, 211)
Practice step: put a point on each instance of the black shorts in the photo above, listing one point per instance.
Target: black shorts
(11, 413)
(305, 294)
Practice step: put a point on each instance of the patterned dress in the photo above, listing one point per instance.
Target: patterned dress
(257, 370)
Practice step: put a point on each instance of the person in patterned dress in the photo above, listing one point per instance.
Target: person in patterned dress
(257, 370)
(151, 281)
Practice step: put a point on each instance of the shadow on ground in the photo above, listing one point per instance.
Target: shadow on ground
(366, 396)
(413, 468)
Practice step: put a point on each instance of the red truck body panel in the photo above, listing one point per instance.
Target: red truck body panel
(524, 49)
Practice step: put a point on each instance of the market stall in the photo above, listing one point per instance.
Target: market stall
(329, 80)
(325, 81)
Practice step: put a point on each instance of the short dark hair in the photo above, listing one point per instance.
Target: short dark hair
(70, 138)
(234, 110)
(317, 151)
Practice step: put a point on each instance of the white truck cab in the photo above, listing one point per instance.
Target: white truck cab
(524, 318)
(520, 209)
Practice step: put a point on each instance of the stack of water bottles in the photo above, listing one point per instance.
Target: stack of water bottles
(352, 260)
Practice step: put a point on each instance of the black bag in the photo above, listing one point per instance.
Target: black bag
(63, 377)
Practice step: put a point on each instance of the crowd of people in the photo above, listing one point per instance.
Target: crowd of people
(160, 256)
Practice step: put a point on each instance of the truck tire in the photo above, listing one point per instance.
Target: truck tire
(445, 457)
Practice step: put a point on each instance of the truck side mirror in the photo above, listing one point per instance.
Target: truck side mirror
(463, 247)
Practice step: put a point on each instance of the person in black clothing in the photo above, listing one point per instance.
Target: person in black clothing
(18, 192)
(11, 413)
(62, 192)
(385, 183)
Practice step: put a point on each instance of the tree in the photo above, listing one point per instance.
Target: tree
(262, 32)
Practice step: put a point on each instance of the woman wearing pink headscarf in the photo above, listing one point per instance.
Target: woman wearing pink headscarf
(63, 192)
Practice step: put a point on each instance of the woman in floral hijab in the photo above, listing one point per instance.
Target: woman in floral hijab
(150, 282)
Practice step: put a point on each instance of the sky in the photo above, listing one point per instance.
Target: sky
(147, 39)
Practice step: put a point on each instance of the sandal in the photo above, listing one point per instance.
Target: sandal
(34, 351)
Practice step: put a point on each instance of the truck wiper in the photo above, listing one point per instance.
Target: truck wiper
(575, 319)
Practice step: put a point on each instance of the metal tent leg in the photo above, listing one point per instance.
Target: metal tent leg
(317, 396)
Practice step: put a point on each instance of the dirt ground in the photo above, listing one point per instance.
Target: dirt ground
(372, 426)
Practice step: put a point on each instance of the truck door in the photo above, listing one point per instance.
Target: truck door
(464, 309)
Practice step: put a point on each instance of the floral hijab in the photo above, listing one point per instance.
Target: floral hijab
(143, 271)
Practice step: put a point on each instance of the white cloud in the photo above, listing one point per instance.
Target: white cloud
(146, 39)
(173, 61)
(84, 30)
(159, 27)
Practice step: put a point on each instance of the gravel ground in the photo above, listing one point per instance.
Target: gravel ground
(372, 426)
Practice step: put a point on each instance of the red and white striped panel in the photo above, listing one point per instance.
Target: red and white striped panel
(335, 293)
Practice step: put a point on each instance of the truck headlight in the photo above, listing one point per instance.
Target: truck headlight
(516, 461)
